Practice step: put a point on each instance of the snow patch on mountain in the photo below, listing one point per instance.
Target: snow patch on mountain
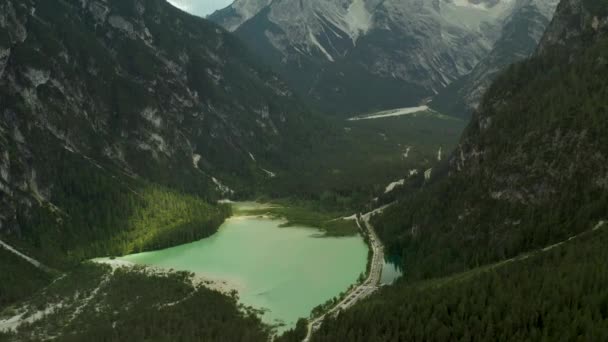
(394, 185)
(427, 174)
(269, 173)
(316, 43)
(358, 19)
(195, 159)
(316, 25)
(407, 152)
(477, 17)
(391, 113)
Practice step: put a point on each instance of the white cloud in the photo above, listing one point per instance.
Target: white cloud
(200, 7)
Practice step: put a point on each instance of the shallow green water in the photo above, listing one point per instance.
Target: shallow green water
(288, 271)
(390, 273)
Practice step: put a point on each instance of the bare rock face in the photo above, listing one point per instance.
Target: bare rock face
(519, 38)
(408, 50)
(531, 167)
(575, 28)
(241, 11)
(576, 24)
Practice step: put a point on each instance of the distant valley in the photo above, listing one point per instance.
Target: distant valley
(362, 55)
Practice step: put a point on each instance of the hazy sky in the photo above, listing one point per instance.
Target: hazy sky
(201, 7)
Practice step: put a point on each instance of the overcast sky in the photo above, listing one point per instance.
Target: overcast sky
(201, 7)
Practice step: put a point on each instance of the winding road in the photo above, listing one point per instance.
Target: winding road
(369, 286)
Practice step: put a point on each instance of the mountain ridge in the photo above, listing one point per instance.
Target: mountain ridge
(131, 103)
(407, 51)
(519, 39)
(533, 147)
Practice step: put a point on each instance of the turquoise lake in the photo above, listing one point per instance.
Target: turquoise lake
(287, 271)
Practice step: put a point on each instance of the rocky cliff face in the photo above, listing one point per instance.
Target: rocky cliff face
(333, 50)
(518, 40)
(134, 86)
(571, 37)
(240, 12)
(576, 25)
(532, 167)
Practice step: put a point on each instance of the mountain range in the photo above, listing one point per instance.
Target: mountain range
(142, 90)
(506, 241)
(355, 56)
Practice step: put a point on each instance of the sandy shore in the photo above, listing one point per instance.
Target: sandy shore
(221, 285)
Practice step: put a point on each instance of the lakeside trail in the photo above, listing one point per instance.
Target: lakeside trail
(370, 285)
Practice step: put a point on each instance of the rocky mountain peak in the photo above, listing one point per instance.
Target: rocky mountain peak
(241, 11)
(576, 24)
(410, 49)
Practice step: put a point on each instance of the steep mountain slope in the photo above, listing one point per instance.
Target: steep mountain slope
(507, 241)
(519, 38)
(239, 12)
(357, 55)
(531, 167)
(106, 106)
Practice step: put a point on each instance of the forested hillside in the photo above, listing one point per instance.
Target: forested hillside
(531, 171)
(531, 167)
(123, 122)
(98, 303)
(19, 278)
(137, 88)
(121, 125)
(554, 295)
(101, 214)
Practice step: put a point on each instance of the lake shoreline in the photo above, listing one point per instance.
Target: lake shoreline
(302, 266)
(223, 286)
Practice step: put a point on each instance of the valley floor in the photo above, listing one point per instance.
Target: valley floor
(347, 171)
